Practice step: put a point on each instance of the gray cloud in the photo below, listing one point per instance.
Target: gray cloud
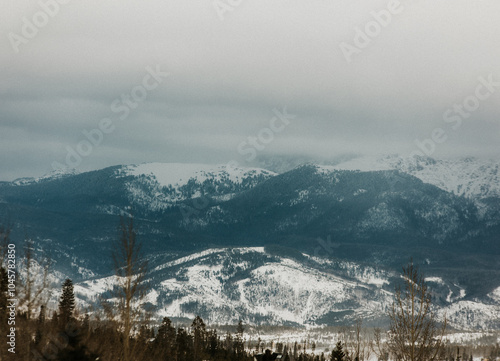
(227, 76)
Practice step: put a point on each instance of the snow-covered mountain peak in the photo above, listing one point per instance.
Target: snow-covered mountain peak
(469, 177)
(179, 174)
(55, 174)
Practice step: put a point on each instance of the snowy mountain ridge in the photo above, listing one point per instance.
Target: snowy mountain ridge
(179, 174)
(259, 287)
(225, 285)
(56, 174)
(159, 186)
(469, 177)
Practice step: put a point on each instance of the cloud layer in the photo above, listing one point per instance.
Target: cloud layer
(228, 69)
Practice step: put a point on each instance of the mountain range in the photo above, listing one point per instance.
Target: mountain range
(316, 244)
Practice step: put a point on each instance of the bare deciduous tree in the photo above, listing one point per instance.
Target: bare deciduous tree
(4, 240)
(357, 344)
(415, 334)
(33, 287)
(35, 282)
(378, 346)
(130, 271)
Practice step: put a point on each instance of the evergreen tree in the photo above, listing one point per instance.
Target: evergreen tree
(184, 350)
(338, 353)
(41, 316)
(198, 331)
(164, 343)
(213, 343)
(239, 346)
(229, 343)
(66, 303)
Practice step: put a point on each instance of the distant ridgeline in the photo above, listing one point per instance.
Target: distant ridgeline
(368, 213)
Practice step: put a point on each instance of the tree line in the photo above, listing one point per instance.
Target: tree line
(120, 330)
(123, 331)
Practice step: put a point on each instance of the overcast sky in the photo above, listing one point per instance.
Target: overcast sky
(228, 70)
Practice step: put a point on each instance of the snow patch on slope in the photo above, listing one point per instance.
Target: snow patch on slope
(495, 295)
(471, 315)
(437, 280)
(191, 257)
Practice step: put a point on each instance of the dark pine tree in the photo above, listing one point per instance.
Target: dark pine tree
(164, 346)
(66, 303)
(239, 346)
(198, 332)
(338, 353)
(75, 350)
(213, 343)
(184, 345)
